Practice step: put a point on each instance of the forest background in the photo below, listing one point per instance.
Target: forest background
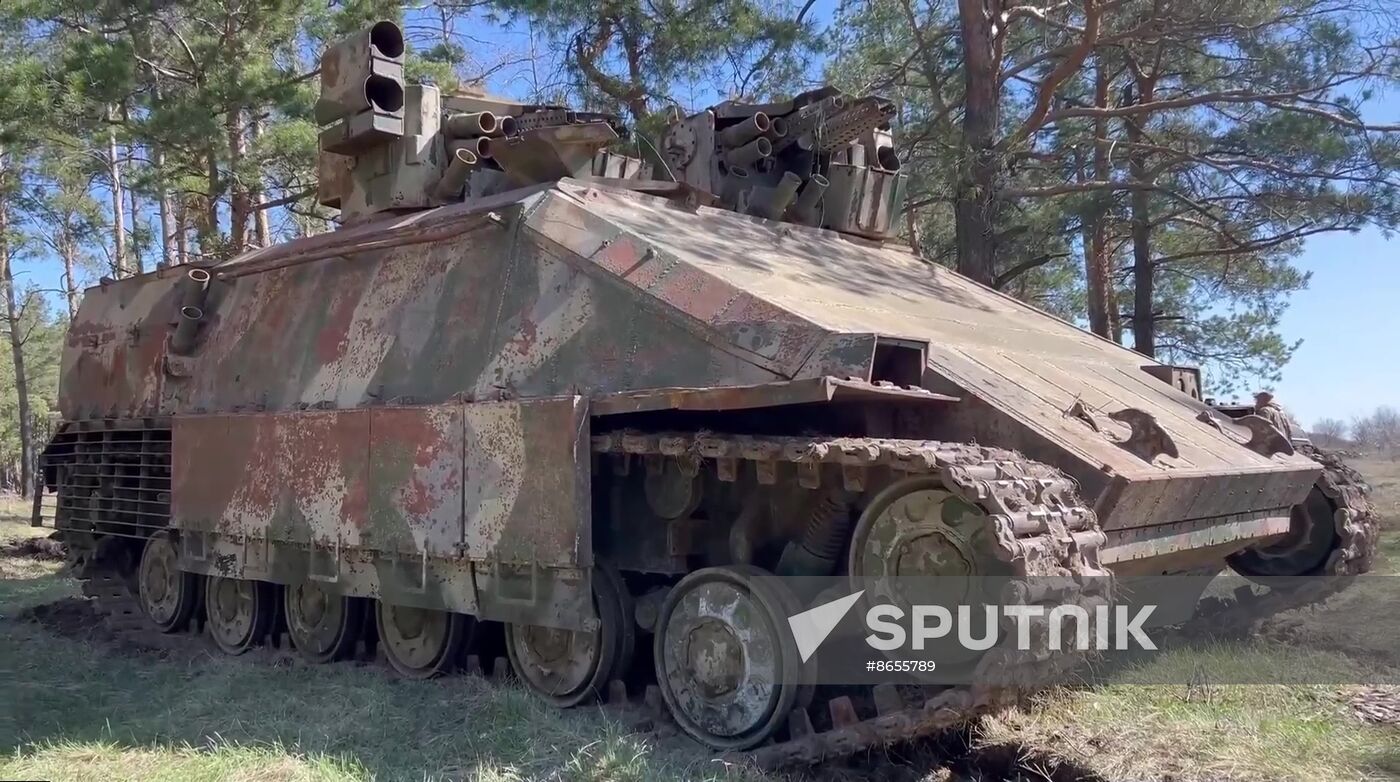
(1171, 174)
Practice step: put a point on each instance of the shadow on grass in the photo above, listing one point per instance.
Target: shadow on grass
(26, 582)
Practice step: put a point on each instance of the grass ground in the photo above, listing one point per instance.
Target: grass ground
(73, 714)
(14, 527)
(76, 715)
(70, 712)
(1384, 476)
(1134, 728)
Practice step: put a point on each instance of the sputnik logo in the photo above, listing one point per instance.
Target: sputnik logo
(929, 622)
(812, 626)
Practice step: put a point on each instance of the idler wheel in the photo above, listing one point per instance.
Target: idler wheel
(568, 667)
(726, 664)
(167, 594)
(239, 612)
(1302, 551)
(421, 642)
(919, 543)
(323, 626)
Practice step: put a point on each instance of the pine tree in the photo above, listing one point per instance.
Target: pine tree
(1184, 148)
(630, 56)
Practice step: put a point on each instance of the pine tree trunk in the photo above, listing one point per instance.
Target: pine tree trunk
(114, 176)
(69, 251)
(1103, 318)
(163, 206)
(7, 281)
(1144, 322)
(975, 200)
(138, 262)
(1096, 273)
(1144, 273)
(207, 224)
(1091, 240)
(182, 231)
(911, 222)
(239, 203)
(167, 218)
(260, 224)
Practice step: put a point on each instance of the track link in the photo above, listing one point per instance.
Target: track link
(1358, 526)
(119, 608)
(1358, 530)
(1044, 531)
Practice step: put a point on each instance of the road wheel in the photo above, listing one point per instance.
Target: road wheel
(168, 595)
(239, 612)
(568, 667)
(917, 543)
(421, 642)
(323, 626)
(726, 664)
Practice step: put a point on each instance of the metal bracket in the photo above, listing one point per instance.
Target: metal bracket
(1210, 420)
(332, 573)
(1264, 437)
(1080, 411)
(1148, 439)
(498, 581)
(402, 564)
(194, 545)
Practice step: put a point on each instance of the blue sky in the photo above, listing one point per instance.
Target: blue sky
(1349, 321)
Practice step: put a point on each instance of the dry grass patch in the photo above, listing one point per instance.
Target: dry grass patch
(14, 521)
(1136, 728)
(1384, 476)
(13, 507)
(101, 761)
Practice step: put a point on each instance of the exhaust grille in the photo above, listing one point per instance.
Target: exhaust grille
(111, 476)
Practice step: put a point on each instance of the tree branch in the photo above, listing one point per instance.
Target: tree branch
(1067, 68)
(1021, 268)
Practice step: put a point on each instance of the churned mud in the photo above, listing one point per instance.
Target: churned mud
(42, 549)
(956, 756)
(73, 618)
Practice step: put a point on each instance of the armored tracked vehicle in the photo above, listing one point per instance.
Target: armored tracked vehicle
(534, 382)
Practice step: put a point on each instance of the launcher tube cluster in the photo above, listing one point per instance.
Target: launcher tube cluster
(824, 159)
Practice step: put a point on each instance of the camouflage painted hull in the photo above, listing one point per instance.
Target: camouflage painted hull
(460, 411)
(579, 292)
